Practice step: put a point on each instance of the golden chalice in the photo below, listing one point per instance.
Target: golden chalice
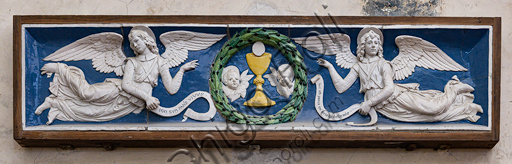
(258, 62)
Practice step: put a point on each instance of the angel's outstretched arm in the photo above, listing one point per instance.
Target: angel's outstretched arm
(340, 84)
(172, 85)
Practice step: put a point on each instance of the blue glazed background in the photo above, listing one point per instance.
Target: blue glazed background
(468, 47)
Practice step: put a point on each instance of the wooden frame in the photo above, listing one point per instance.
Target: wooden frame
(404, 139)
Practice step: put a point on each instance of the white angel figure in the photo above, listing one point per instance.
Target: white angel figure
(235, 85)
(282, 79)
(74, 99)
(402, 102)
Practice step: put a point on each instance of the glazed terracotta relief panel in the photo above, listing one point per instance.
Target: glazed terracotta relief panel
(282, 76)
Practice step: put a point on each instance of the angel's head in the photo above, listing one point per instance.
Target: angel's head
(285, 75)
(140, 40)
(231, 77)
(369, 44)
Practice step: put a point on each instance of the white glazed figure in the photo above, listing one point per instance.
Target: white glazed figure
(235, 85)
(74, 99)
(402, 102)
(282, 79)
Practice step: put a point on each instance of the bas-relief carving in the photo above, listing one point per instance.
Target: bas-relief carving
(401, 102)
(74, 99)
(282, 79)
(235, 85)
(258, 62)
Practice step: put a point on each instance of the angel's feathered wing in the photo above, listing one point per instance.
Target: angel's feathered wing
(330, 44)
(244, 83)
(414, 52)
(178, 43)
(272, 77)
(105, 50)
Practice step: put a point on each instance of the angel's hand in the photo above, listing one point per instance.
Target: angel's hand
(49, 68)
(189, 66)
(365, 108)
(324, 63)
(152, 103)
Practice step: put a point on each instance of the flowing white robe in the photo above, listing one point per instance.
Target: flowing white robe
(409, 104)
(74, 99)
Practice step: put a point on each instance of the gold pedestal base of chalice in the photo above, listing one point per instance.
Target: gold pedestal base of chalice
(258, 65)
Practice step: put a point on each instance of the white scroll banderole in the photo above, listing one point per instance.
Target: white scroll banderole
(330, 116)
(173, 111)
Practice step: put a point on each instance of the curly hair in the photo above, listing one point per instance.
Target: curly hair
(148, 40)
(360, 48)
(225, 77)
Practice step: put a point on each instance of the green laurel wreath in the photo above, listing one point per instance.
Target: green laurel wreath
(239, 42)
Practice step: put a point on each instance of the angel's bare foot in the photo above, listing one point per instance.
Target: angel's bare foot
(46, 104)
(50, 119)
(49, 68)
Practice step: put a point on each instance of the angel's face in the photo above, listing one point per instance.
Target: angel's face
(138, 45)
(371, 46)
(233, 80)
(283, 79)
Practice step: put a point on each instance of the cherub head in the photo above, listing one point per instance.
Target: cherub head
(285, 75)
(231, 77)
(140, 38)
(370, 43)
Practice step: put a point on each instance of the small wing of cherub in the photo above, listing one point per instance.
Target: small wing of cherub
(272, 77)
(330, 44)
(105, 50)
(415, 51)
(178, 43)
(244, 83)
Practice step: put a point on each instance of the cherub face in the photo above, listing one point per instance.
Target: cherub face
(282, 80)
(232, 80)
(371, 47)
(285, 75)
